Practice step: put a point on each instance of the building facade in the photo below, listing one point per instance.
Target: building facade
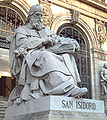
(83, 20)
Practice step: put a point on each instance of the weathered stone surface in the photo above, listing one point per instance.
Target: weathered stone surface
(60, 115)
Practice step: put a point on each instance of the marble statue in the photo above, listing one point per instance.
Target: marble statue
(38, 68)
(103, 75)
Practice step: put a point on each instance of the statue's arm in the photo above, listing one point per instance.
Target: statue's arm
(25, 43)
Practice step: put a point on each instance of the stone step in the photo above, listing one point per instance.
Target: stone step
(2, 115)
(2, 105)
(2, 118)
(2, 109)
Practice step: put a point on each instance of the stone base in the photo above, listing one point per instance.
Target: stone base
(59, 115)
(57, 108)
(104, 98)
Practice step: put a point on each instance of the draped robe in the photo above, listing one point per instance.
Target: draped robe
(34, 65)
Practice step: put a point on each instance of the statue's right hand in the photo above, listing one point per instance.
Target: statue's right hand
(47, 42)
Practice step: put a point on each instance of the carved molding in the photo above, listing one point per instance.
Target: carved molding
(48, 16)
(8, 1)
(43, 1)
(100, 31)
(101, 55)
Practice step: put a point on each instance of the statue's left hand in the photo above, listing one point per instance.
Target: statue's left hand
(77, 46)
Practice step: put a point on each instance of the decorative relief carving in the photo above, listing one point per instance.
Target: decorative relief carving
(100, 31)
(103, 75)
(47, 15)
(75, 16)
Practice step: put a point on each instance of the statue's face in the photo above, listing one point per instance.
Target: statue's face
(38, 15)
(35, 20)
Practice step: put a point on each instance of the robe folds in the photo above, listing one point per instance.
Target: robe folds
(32, 64)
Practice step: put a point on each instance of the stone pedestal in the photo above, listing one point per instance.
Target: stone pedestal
(57, 108)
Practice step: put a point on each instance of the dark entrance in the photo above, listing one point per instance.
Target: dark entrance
(6, 85)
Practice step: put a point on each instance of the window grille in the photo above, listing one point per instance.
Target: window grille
(82, 57)
(9, 21)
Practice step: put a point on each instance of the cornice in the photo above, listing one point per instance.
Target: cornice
(96, 3)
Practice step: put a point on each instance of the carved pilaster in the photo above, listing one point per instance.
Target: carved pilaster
(47, 16)
(100, 30)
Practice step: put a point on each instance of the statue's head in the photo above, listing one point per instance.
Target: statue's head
(105, 65)
(35, 16)
(36, 9)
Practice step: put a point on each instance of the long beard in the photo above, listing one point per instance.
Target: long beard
(37, 24)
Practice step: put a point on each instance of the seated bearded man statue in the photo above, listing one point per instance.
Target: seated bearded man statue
(37, 69)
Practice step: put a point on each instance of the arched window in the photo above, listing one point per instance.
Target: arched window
(9, 21)
(83, 56)
(10, 18)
